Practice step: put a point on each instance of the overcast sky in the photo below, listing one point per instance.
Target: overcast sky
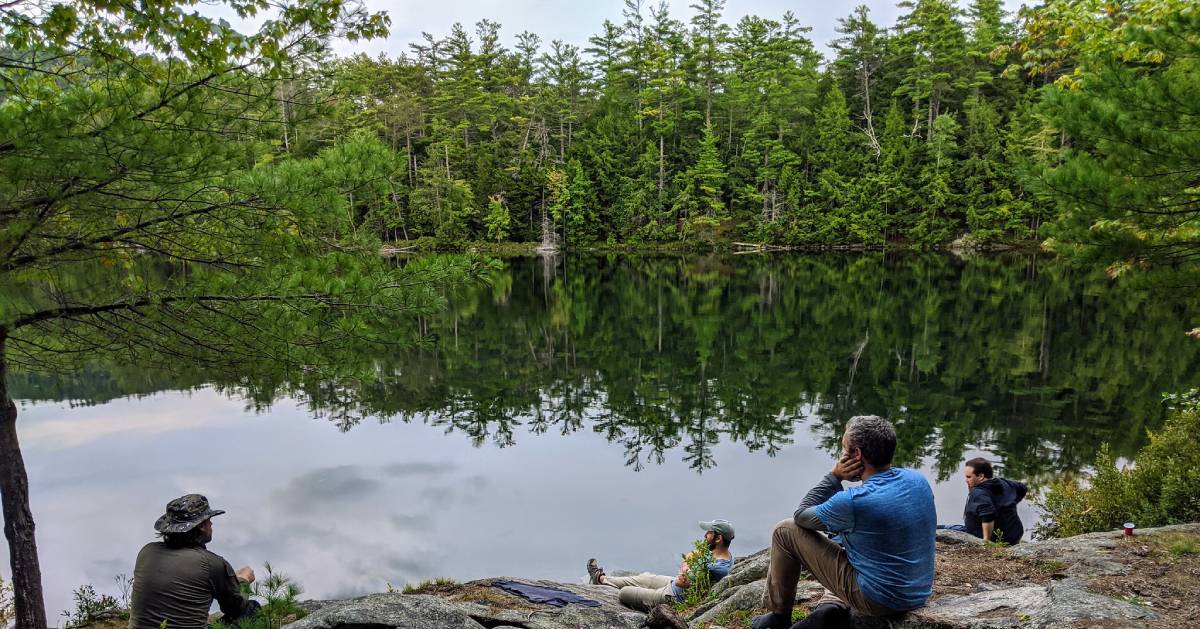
(573, 21)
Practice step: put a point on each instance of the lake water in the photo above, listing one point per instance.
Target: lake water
(600, 406)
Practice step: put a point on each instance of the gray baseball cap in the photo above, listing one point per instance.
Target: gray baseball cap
(720, 527)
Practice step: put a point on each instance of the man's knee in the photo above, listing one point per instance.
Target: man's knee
(788, 532)
(633, 597)
(784, 529)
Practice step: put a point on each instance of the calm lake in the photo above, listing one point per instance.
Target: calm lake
(600, 406)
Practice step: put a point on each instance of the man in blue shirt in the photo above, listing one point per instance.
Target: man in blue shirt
(887, 526)
(646, 590)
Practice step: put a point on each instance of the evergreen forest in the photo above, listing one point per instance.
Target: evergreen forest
(957, 120)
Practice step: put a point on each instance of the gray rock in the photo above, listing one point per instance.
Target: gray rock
(1064, 603)
(1090, 555)
(747, 597)
(946, 536)
(745, 570)
(1083, 555)
(426, 611)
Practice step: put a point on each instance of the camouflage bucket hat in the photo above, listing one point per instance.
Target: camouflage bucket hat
(184, 514)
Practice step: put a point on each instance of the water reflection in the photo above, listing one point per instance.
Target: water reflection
(618, 380)
(1032, 360)
(348, 513)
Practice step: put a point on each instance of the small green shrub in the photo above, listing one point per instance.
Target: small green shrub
(90, 607)
(410, 588)
(425, 244)
(281, 602)
(1161, 487)
(699, 579)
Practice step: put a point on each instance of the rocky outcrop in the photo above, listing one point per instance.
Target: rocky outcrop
(1065, 603)
(1037, 584)
(473, 605)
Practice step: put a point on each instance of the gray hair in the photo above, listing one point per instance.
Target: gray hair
(874, 436)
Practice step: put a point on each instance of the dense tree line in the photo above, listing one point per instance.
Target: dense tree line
(958, 119)
(660, 131)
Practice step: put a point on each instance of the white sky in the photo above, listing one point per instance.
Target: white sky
(573, 21)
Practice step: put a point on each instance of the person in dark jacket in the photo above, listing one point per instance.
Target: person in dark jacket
(991, 504)
(176, 580)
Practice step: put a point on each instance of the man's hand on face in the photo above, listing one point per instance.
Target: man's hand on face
(847, 469)
(245, 574)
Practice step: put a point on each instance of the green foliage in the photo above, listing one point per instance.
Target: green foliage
(179, 159)
(1181, 545)
(699, 579)
(279, 597)
(90, 607)
(737, 123)
(497, 220)
(1162, 486)
(1126, 101)
(702, 186)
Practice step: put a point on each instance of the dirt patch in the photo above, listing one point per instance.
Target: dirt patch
(478, 592)
(1164, 575)
(962, 567)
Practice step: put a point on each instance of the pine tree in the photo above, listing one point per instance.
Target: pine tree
(986, 182)
(708, 35)
(859, 61)
(934, 39)
(1126, 181)
(897, 173)
(702, 186)
(497, 220)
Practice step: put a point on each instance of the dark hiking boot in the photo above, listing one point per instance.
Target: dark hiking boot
(594, 571)
(772, 621)
(826, 616)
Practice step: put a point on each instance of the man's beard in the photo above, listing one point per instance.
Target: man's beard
(712, 544)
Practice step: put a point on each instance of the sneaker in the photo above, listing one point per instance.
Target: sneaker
(594, 571)
(772, 621)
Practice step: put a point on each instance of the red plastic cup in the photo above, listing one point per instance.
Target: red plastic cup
(1129, 529)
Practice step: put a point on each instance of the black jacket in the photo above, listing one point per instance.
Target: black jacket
(995, 500)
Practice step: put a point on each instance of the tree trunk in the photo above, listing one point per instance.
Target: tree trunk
(662, 167)
(18, 519)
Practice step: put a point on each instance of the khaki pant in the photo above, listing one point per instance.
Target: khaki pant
(794, 549)
(642, 591)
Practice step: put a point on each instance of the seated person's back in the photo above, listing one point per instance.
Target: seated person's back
(887, 527)
(176, 580)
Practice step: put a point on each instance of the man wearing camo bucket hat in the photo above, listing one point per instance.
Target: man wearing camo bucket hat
(176, 580)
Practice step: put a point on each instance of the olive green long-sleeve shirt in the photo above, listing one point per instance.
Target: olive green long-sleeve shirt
(178, 585)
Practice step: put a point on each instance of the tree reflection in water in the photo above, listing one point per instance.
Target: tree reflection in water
(1030, 359)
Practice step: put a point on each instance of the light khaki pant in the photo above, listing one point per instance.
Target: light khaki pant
(794, 549)
(642, 591)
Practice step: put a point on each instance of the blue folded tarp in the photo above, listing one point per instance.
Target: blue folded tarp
(545, 595)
